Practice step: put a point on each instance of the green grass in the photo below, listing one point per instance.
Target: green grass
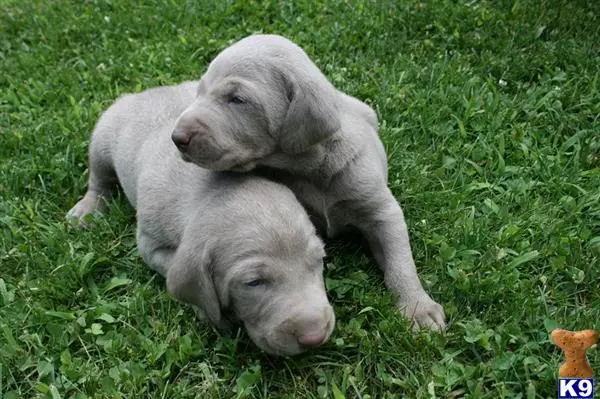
(490, 112)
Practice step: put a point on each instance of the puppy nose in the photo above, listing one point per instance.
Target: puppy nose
(312, 340)
(181, 139)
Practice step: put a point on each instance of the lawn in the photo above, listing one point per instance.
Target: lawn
(490, 113)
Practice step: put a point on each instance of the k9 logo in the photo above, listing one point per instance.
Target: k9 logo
(575, 388)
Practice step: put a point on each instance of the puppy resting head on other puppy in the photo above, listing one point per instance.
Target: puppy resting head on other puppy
(263, 269)
(259, 96)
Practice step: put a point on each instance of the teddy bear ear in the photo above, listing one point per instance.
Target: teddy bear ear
(557, 336)
(588, 338)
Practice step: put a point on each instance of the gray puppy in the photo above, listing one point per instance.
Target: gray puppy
(262, 102)
(237, 247)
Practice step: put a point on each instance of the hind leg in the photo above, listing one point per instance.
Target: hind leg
(102, 182)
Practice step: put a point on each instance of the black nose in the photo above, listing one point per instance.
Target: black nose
(181, 139)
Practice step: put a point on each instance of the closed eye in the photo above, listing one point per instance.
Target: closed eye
(234, 99)
(256, 283)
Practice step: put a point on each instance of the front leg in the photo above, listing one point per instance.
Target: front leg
(155, 254)
(160, 258)
(381, 220)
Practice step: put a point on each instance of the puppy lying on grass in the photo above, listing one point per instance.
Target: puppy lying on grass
(263, 105)
(235, 246)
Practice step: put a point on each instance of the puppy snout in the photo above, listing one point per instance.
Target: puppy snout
(181, 139)
(312, 330)
(312, 340)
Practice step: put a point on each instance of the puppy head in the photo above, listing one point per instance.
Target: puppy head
(260, 96)
(264, 270)
(275, 288)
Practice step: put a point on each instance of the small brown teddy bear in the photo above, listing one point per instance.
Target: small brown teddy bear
(574, 344)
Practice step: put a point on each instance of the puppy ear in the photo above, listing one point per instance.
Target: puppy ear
(190, 279)
(312, 115)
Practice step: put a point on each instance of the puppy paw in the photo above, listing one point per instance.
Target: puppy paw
(200, 315)
(81, 213)
(423, 311)
(203, 319)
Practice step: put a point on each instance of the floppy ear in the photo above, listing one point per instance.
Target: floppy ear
(312, 115)
(190, 280)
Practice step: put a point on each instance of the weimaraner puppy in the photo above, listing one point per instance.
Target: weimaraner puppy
(264, 105)
(237, 247)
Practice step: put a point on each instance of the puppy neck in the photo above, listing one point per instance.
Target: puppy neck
(303, 163)
(319, 163)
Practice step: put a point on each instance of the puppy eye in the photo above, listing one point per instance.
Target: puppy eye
(256, 283)
(236, 100)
